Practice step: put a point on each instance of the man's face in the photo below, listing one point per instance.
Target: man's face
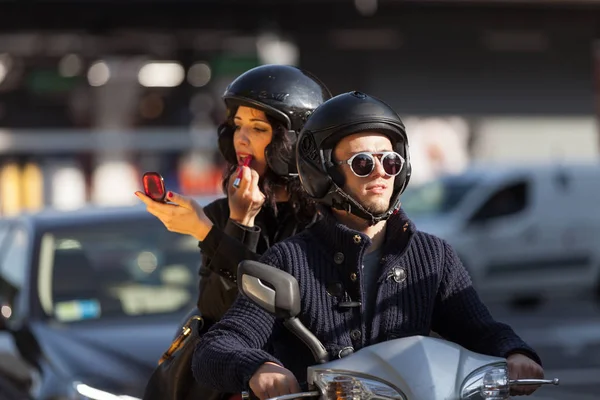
(373, 191)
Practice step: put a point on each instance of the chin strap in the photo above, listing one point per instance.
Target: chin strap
(350, 205)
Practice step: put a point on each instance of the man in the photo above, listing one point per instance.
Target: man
(366, 274)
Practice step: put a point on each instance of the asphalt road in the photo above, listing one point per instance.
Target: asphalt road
(567, 337)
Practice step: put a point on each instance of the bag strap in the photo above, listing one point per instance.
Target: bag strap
(176, 344)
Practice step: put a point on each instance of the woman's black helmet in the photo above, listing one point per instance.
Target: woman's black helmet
(283, 92)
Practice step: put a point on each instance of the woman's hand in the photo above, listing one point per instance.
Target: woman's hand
(185, 216)
(246, 201)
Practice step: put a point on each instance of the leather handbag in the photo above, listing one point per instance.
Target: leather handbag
(173, 378)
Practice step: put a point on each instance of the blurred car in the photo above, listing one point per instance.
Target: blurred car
(92, 298)
(524, 232)
(15, 379)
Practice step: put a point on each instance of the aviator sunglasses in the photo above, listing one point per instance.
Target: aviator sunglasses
(362, 164)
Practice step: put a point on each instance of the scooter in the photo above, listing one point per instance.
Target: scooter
(411, 368)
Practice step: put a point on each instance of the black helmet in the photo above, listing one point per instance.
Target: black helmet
(337, 118)
(283, 92)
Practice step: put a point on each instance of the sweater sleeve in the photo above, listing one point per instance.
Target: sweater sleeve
(235, 347)
(461, 316)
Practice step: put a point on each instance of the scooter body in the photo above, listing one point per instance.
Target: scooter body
(410, 368)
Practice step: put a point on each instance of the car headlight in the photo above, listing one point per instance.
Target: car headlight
(487, 383)
(85, 392)
(342, 385)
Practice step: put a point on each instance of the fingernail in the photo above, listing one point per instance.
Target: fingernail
(136, 193)
(169, 194)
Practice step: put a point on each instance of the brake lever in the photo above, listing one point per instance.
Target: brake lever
(314, 393)
(521, 382)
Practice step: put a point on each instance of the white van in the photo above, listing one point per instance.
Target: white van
(523, 232)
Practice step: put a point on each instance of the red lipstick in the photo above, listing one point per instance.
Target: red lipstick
(238, 180)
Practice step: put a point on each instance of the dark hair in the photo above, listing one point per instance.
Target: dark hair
(303, 206)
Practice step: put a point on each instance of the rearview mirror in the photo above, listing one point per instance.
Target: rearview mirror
(277, 292)
(270, 288)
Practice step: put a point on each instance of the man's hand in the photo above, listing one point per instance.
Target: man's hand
(522, 367)
(272, 380)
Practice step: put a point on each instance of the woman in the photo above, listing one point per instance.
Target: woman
(266, 108)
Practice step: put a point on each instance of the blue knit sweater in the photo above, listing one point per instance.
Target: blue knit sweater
(432, 291)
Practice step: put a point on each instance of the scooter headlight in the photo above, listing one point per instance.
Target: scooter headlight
(342, 385)
(488, 383)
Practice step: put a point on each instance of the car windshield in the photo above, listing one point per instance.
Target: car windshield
(116, 269)
(437, 197)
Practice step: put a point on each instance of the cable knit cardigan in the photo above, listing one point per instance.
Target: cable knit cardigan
(422, 286)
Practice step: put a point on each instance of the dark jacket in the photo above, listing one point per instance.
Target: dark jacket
(432, 292)
(228, 243)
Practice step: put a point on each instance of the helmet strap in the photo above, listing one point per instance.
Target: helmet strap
(351, 206)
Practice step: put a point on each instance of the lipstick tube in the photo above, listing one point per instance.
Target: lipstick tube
(238, 180)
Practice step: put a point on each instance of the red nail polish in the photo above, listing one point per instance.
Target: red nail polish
(169, 194)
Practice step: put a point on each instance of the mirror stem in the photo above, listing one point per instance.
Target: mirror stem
(316, 347)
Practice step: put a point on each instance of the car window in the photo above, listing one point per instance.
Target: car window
(4, 229)
(13, 268)
(439, 196)
(117, 269)
(509, 200)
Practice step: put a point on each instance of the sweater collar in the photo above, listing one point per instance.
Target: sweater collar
(337, 236)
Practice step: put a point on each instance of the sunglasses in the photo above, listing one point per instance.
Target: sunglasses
(363, 164)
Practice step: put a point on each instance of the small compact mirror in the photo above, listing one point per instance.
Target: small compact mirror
(154, 186)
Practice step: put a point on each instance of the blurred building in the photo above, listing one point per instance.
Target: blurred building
(90, 99)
